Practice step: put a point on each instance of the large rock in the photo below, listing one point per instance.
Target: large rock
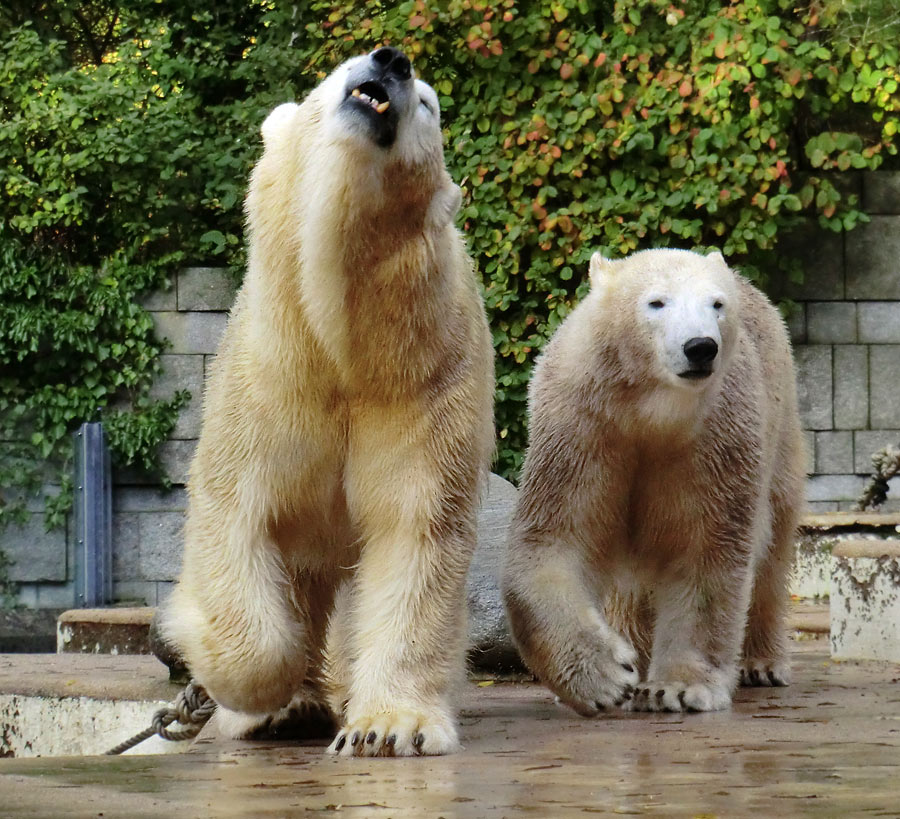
(490, 646)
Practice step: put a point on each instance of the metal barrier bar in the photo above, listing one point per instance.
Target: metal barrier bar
(93, 518)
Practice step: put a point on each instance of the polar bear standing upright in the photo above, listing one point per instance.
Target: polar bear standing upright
(655, 525)
(347, 430)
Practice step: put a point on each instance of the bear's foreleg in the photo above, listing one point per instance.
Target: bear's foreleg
(403, 623)
(702, 604)
(560, 630)
(696, 643)
(233, 616)
(561, 566)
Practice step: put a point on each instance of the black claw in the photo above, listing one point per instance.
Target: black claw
(646, 693)
(391, 741)
(754, 677)
(628, 667)
(371, 737)
(629, 690)
(681, 700)
(340, 743)
(660, 694)
(599, 706)
(355, 738)
(419, 740)
(772, 680)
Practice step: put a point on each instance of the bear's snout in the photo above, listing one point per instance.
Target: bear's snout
(378, 94)
(700, 352)
(393, 61)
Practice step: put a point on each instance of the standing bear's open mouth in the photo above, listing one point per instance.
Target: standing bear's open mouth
(372, 94)
(377, 92)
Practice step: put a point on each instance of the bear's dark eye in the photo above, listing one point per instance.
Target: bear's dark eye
(428, 107)
(657, 304)
(717, 305)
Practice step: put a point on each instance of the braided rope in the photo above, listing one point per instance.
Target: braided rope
(887, 464)
(191, 710)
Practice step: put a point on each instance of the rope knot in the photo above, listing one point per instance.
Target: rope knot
(191, 711)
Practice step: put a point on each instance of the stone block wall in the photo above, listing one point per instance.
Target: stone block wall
(147, 520)
(846, 332)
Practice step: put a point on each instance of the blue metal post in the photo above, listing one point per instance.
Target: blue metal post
(93, 518)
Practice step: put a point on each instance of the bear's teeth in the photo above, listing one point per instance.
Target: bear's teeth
(380, 107)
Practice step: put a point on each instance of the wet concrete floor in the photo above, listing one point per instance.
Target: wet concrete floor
(829, 745)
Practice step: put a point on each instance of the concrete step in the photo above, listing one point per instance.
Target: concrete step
(865, 600)
(808, 620)
(118, 630)
(77, 704)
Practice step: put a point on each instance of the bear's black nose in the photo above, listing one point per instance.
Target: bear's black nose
(393, 61)
(700, 350)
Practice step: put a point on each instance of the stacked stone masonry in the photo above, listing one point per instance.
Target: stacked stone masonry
(846, 332)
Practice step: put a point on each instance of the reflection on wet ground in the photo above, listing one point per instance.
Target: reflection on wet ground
(829, 745)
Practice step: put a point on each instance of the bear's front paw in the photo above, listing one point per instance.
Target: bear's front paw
(397, 733)
(597, 677)
(756, 671)
(654, 695)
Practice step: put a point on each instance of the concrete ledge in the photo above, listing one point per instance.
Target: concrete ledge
(104, 631)
(836, 520)
(867, 548)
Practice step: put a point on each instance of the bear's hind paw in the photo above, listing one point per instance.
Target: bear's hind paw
(299, 720)
(756, 672)
(396, 733)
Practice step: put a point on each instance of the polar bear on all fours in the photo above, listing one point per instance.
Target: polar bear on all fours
(650, 550)
(347, 431)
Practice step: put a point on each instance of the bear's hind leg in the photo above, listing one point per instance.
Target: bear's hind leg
(765, 658)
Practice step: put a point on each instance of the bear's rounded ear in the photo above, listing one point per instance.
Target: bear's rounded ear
(716, 256)
(277, 121)
(599, 265)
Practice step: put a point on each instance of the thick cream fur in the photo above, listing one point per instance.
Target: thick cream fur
(347, 430)
(655, 525)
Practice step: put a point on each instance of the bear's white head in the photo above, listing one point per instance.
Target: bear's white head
(375, 102)
(372, 130)
(675, 311)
